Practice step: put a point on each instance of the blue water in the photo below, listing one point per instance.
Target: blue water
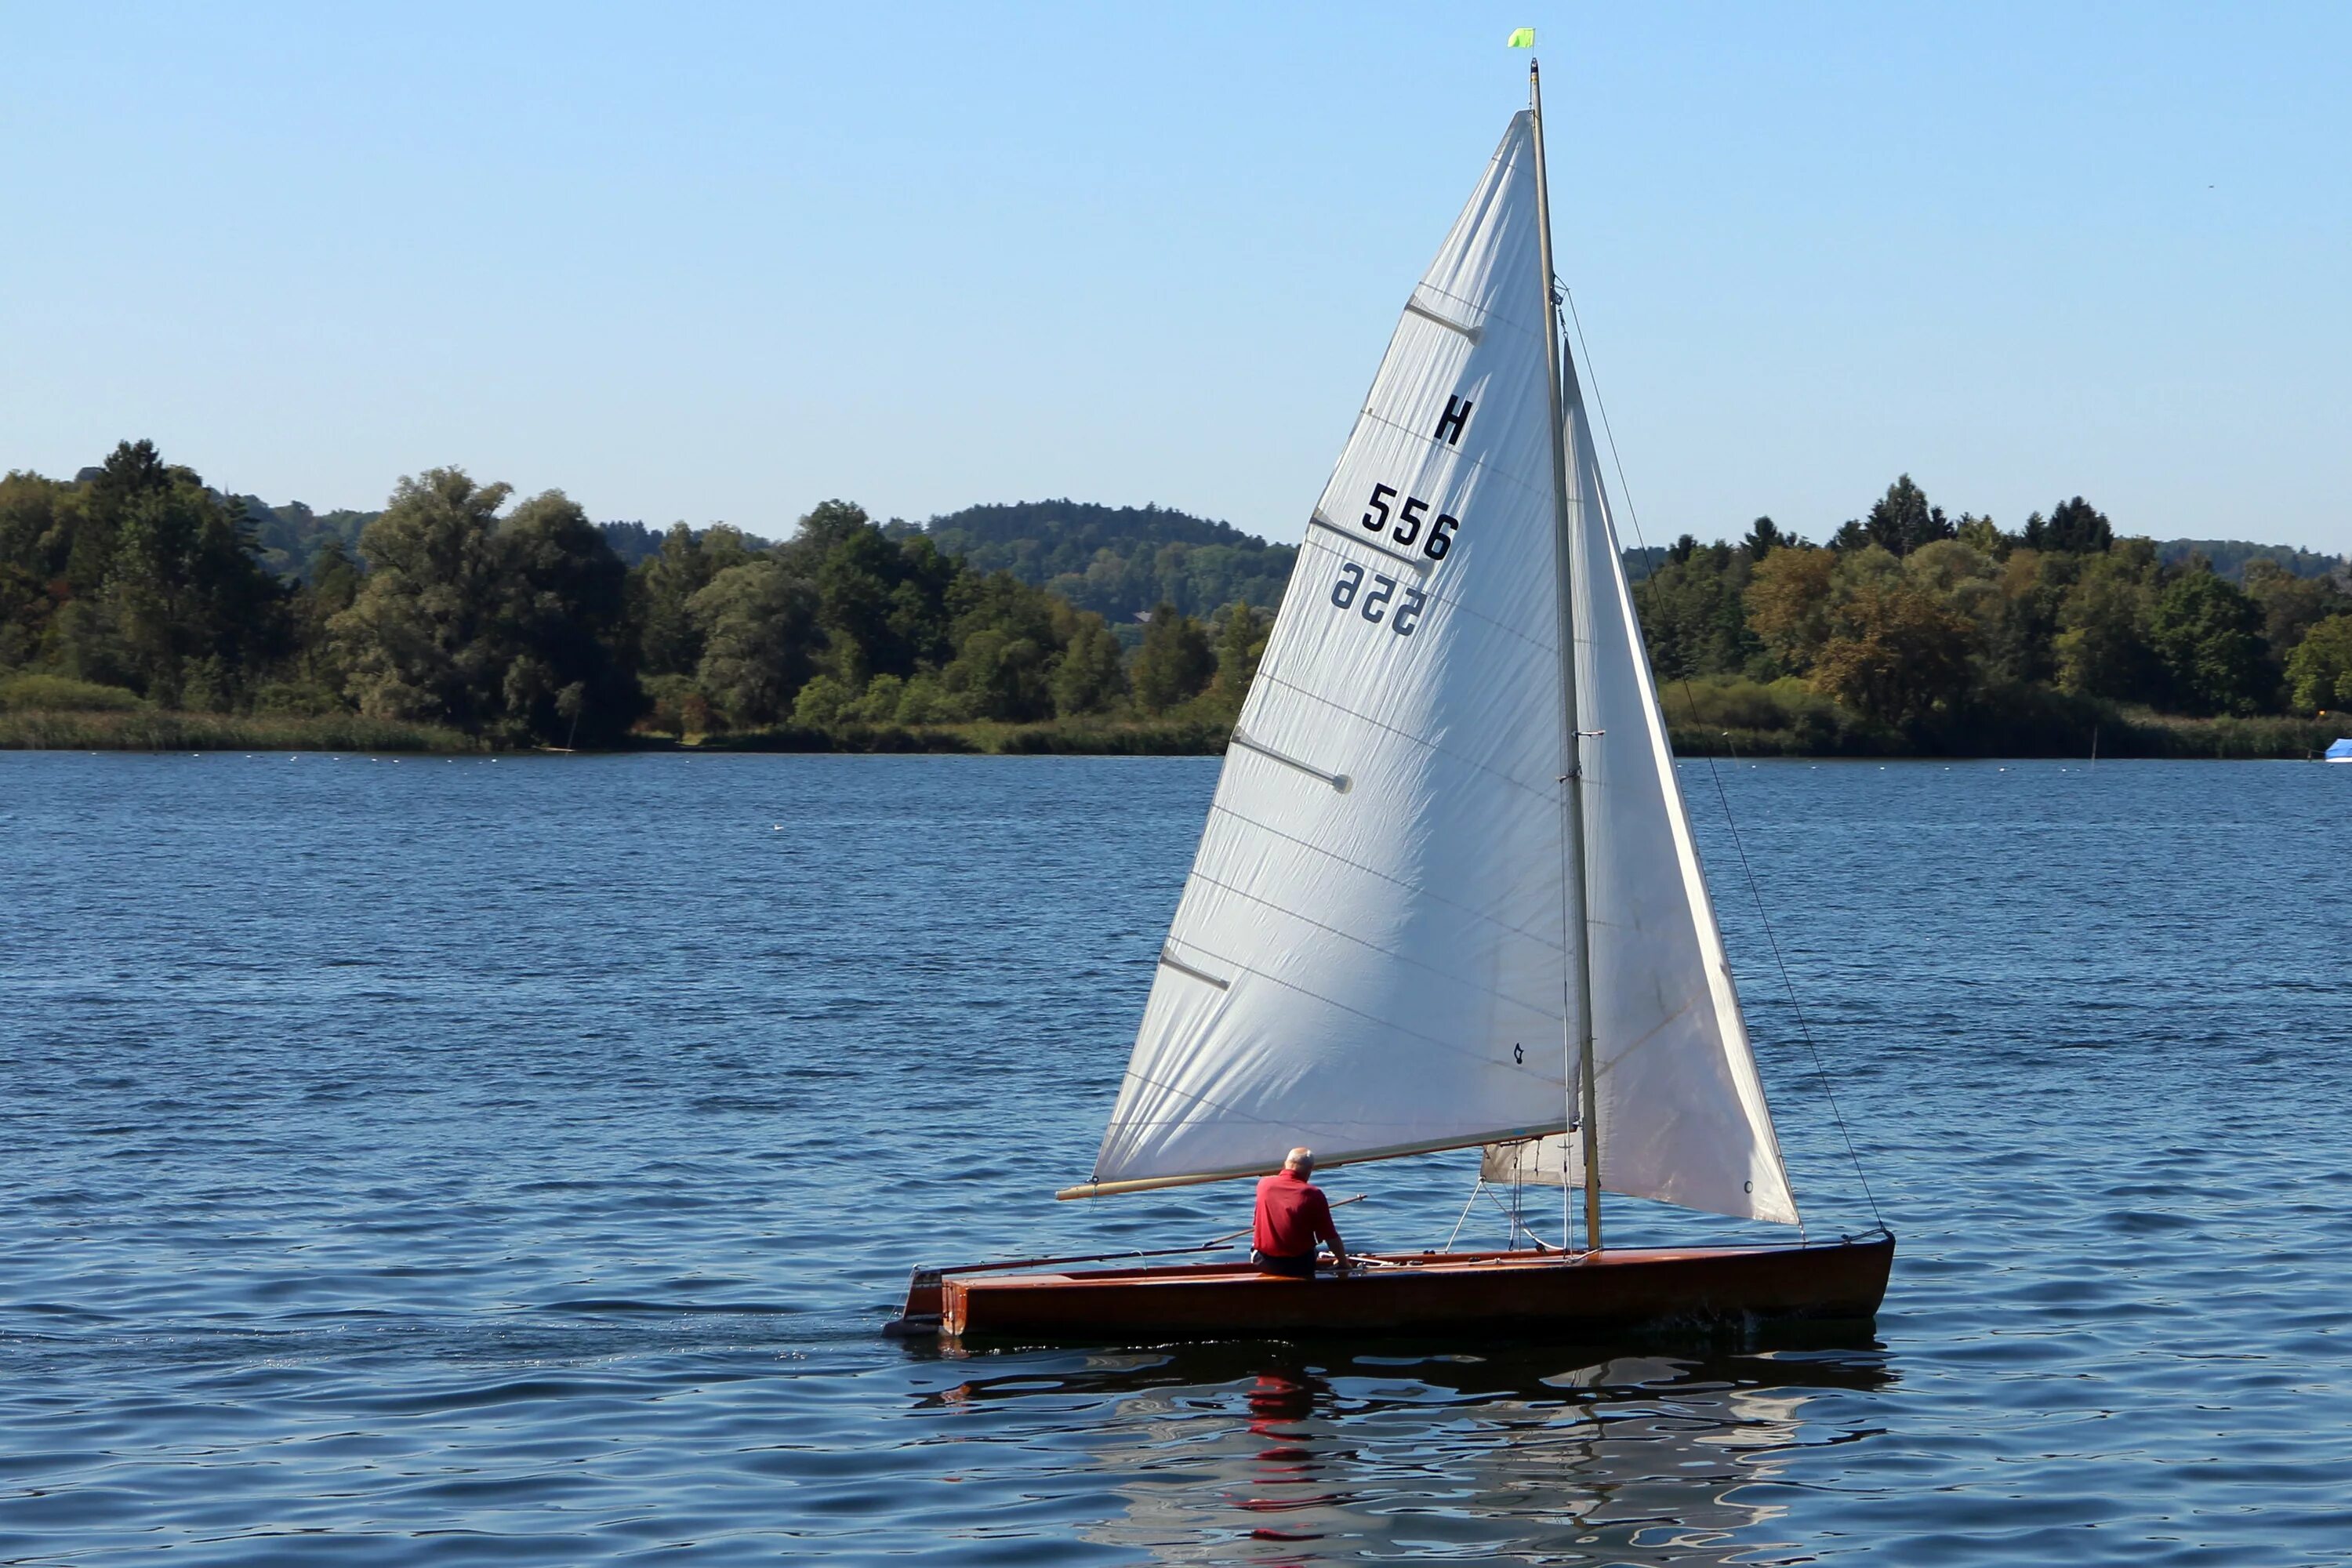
(512, 1162)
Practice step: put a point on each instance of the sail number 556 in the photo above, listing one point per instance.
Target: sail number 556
(1406, 524)
(1374, 606)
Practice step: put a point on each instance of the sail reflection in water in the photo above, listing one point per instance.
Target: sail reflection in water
(1268, 1454)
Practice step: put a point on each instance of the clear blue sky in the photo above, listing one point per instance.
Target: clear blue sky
(712, 262)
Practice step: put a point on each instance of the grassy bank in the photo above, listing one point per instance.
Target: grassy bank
(161, 729)
(1724, 715)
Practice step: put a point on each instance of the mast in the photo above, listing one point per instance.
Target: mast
(1580, 943)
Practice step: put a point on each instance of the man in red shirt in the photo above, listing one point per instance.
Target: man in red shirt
(1292, 1216)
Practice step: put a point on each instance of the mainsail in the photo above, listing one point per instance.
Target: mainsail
(1372, 954)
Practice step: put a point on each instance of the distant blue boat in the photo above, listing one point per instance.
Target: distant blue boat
(2340, 752)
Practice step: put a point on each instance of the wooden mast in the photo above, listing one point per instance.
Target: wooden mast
(1580, 944)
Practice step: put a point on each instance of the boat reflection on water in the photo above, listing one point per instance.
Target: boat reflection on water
(1277, 1454)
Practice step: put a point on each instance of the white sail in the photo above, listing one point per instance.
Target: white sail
(1373, 954)
(1682, 1113)
(1368, 956)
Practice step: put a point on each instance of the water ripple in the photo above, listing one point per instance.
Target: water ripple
(512, 1166)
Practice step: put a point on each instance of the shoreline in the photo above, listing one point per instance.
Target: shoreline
(2143, 738)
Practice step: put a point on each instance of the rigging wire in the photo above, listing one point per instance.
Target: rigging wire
(1466, 1204)
(1690, 701)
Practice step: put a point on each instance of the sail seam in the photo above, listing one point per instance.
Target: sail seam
(1476, 465)
(1464, 1051)
(1393, 956)
(1319, 521)
(1536, 937)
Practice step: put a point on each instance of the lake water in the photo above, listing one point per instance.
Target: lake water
(513, 1161)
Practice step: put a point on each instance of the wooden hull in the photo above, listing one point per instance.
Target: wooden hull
(1419, 1293)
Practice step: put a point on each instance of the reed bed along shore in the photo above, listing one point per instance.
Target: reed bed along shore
(1721, 728)
(165, 730)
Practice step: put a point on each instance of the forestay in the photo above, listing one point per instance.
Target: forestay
(1368, 957)
(1682, 1111)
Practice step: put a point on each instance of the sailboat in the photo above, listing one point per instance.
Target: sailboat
(1447, 896)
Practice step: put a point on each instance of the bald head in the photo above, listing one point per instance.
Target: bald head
(1301, 1159)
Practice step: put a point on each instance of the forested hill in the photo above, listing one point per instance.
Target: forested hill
(1118, 560)
(2228, 557)
(290, 538)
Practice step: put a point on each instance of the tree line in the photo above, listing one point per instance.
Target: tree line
(515, 619)
(1931, 625)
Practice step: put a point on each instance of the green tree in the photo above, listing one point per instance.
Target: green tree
(36, 532)
(1007, 637)
(417, 642)
(2319, 673)
(1902, 520)
(336, 578)
(664, 583)
(169, 577)
(1242, 635)
(2072, 527)
(824, 703)
(1984, 536)
(1000, 674)
(562, 625)
(883, 602)
(2291, 606)
(1694, 611)
(1961, 576)
(857, 581)
(2101, 646)
(2207, 636)
(1175, 662)
(131, 472)
(2021, 645)
(485, 624)
(758, 627)
(1090, 677)
(1851, 534)
(824, 525)
(1764, 536)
